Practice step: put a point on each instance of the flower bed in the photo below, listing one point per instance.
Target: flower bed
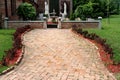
(106, 52)
(14, 55)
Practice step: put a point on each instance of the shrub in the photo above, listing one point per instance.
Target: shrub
(84, 11)
(99, 8)
(26, 11)
(72, 16)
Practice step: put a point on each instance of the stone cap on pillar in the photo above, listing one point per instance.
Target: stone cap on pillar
(6, 18)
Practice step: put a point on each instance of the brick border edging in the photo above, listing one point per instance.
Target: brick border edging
(18, 60)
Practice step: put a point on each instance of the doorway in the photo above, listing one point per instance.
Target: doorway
(54, 4)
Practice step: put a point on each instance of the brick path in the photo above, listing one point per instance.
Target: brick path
(58, 54)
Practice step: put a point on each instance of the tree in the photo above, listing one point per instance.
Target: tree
(26, 11)
(78, 3)
(84, 11)
(99, 8)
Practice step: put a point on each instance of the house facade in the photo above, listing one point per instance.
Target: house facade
(8, 7)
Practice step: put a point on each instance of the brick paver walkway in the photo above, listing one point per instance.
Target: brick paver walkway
(58, 54)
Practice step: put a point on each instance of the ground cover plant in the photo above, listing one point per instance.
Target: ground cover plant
(12, 54)
(26, 11)
(5, 43)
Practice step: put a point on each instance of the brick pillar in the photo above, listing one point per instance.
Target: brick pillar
(13, 7)
(0, 20)
(6, 8)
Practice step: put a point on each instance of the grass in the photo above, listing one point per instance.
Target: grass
(117, 76)
(5, 43)
(2, 68)
(111, 32)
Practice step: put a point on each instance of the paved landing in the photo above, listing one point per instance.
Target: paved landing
(58, 54)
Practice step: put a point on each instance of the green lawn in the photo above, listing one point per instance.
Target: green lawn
(2, 68)
(111, 32)
(5, 43)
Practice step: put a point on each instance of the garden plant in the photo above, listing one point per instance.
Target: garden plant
(26, 11)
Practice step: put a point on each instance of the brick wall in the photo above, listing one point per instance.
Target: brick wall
(2, 7)
(62, 25)
(34, 24)
(82, 24)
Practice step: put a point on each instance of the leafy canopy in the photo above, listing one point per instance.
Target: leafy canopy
(84, 11)
(94, 8)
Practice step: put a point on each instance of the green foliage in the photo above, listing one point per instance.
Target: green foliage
(45, 15)
(102, 8)
(117, 75)
(79, 2)
(72, 16)
(5, 41)
(84, 11)
(26, 11)
(2, 68)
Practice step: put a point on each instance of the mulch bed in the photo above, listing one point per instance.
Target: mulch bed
(14, 56)
(105, 57)
(17, 55)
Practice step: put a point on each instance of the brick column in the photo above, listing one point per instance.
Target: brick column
(13, 7)
(6, 8)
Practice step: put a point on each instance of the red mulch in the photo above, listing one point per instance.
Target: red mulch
(17, 55)
(105, 57)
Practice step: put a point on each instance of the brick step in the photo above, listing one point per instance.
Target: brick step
(51, 25)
